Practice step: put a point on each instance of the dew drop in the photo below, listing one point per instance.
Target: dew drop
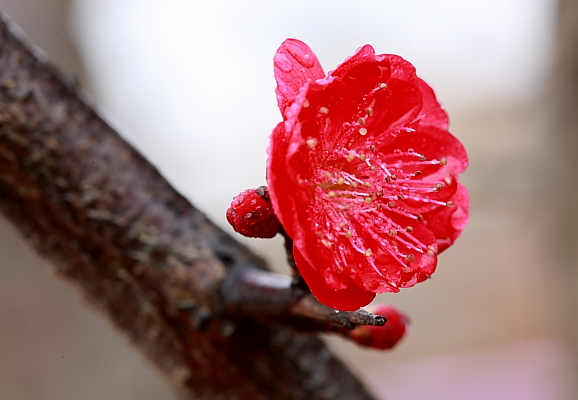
(301, 53)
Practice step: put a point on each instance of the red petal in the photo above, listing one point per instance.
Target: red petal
(432, 112)
(447, 223)
(295, 64)
(350, 298)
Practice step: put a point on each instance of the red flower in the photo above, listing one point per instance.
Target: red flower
(362, 174)
(381, 337)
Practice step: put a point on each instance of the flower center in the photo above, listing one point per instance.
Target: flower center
(363, 198)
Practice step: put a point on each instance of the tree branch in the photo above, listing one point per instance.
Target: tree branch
(138, 250)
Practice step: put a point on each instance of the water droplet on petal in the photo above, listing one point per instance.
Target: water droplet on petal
(301, 52)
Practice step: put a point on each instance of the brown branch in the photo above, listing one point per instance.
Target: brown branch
(139, 251)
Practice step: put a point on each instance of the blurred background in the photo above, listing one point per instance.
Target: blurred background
(190, 84)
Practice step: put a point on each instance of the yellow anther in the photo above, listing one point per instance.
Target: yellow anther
(348, 234)
(362, 157)
(305, 103)
(323, 110)
(368, 253)
(391, 204)
(407, 270)
(331, 194)
(350, 157)
(369, 111)
(367, 184)
(341, 224)
(438, 187)
(443, 161)
(392, 232)
(372, 168)
(362, 131)
(328, 175)
(340, 181)
(361, 121)
(450, 204)
(326, 243)
(382, 85)
(312, 142)
(368, 200)
(400, 197)
(410, 257)
(409, 229)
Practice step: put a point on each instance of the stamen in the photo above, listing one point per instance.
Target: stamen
(382, 85)
(368, 252)
(362, 131)
(323, 110)
(443, 161)
(369, 111)
(305, 103)
(392, 232)
(361, 121)
(410, 257)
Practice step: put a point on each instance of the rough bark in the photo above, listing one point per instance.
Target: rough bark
(138, 250)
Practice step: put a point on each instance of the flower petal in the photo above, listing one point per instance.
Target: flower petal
(349, 298)
(432, 112)
(295, 64)
(447, 223)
